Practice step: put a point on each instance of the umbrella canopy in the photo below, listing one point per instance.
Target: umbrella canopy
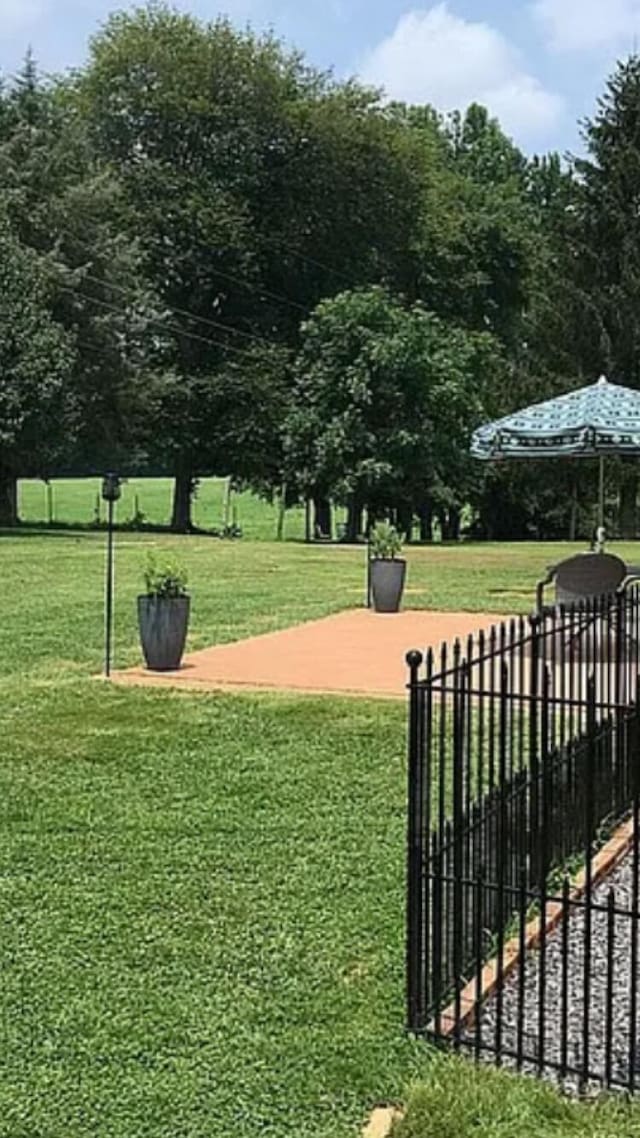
(601, 419)
(589, 423)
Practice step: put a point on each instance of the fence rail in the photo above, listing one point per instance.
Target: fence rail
(524, 751)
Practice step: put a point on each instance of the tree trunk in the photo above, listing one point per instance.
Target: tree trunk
(455, 523)
(425, 513)
(628, 500)
(443, 518)
(404, 516)
(354, 520)
(182, 496)
(322, 526)
(8, 498)
(282, 509)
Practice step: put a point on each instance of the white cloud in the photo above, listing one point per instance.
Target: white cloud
(588, 25)
(17, 15)
(434, 56)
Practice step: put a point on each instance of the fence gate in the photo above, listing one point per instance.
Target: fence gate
(524, 788)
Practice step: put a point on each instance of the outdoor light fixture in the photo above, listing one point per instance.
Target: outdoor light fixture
(111, 492)
(111, 487)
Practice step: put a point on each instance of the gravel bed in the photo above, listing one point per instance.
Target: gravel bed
(621, 881)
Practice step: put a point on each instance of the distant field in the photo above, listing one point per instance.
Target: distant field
(77, 500)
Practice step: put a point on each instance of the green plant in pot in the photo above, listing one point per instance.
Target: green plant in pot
(388, 571)
(163, 614)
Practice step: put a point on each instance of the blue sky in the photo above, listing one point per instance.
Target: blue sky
(538, 64)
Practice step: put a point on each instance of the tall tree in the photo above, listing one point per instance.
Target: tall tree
(63, 205)
(607, 263)
(256, 187)
(37, 413)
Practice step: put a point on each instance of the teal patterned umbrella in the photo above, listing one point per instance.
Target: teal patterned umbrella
(589, 423)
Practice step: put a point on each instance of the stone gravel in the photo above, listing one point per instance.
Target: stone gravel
(622, 1059)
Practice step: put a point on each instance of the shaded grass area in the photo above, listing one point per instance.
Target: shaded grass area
(462, 1101)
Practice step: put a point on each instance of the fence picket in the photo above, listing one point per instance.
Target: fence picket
(522, 748)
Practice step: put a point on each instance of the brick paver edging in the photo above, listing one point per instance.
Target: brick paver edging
(602, 865)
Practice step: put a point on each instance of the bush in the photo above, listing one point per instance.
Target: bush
(385, 541)
(164, 579)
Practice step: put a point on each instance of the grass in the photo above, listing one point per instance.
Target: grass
(461, 1101)
(77, 501)
(202, 896)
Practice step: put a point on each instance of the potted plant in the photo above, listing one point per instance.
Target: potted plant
(163, 615)
(387, 570)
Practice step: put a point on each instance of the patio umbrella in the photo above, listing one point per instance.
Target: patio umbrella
(592, 422)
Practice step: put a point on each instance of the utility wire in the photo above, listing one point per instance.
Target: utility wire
(310, 260)
(165, 327)
(255, 289)
(216, 324)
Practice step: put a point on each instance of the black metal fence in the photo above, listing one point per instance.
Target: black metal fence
(524, 759)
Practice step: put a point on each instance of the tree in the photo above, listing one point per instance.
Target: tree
(70, 211)
(37, 413)
(608, 254)
(385, 398)
(256, 185)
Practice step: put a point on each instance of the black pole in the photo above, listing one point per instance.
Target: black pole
(109, 590)
(368, 572)
(415, 914)
(110, 492)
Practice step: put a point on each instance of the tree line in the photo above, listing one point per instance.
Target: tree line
(217, 260)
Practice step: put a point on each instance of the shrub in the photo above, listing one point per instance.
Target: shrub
(164, 578)
(385, 541)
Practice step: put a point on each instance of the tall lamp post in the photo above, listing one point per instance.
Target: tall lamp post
(111, 491)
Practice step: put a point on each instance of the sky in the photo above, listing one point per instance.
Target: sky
(539, 65)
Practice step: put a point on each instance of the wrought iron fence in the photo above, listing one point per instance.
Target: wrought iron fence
(524, 753)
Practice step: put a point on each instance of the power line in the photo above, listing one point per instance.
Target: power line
(255, 289)
(310, 260)
(258, 291)
(217, 324)
(244, 353)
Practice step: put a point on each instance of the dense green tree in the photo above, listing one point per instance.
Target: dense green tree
(37, 412)
(608, 253)
(63, 205)
(256, 186)
(385, 399)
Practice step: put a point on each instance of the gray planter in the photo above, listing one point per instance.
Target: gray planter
(163, 623)
(387, 583)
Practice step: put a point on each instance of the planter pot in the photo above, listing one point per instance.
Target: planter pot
(387, 583)
(163, 623)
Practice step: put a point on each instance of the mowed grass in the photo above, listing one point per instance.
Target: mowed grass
(203, 896)
(460, 1101)
(77, 501)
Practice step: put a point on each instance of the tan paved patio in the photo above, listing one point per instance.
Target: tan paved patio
(352, 653)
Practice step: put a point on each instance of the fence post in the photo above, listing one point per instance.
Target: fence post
(534, 816)
(416, 837)
(589, 818)
(634, 750)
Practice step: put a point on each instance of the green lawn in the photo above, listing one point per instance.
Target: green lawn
(460, 1101)
(202, 895)
(77, 501)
